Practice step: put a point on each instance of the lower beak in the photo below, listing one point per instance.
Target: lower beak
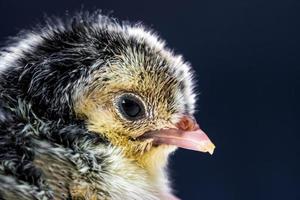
(187, 136)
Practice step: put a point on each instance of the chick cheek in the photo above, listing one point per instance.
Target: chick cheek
(187, 135)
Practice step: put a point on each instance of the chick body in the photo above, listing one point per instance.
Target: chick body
(61, 135)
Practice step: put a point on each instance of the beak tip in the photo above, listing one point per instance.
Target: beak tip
(210, 148)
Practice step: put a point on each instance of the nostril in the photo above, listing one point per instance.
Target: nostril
(187, 124)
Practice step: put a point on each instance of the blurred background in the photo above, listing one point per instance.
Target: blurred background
(247, 57)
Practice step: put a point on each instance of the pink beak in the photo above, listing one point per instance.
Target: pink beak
(187, 135)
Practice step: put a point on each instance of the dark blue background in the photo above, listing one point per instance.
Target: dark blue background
(247, 57)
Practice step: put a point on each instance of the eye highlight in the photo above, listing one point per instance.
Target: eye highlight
(130, 106)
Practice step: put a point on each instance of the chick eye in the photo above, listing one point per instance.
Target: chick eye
(130, 107)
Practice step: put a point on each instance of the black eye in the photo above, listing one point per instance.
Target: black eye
(130, 107)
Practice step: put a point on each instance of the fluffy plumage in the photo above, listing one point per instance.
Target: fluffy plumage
(61, 134)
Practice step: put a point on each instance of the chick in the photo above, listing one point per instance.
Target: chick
(91, 108)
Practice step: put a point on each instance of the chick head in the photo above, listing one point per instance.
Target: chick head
(141, 98)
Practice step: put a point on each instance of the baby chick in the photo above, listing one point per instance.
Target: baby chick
(91, 108)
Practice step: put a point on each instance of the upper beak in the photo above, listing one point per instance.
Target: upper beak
(187, 135)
